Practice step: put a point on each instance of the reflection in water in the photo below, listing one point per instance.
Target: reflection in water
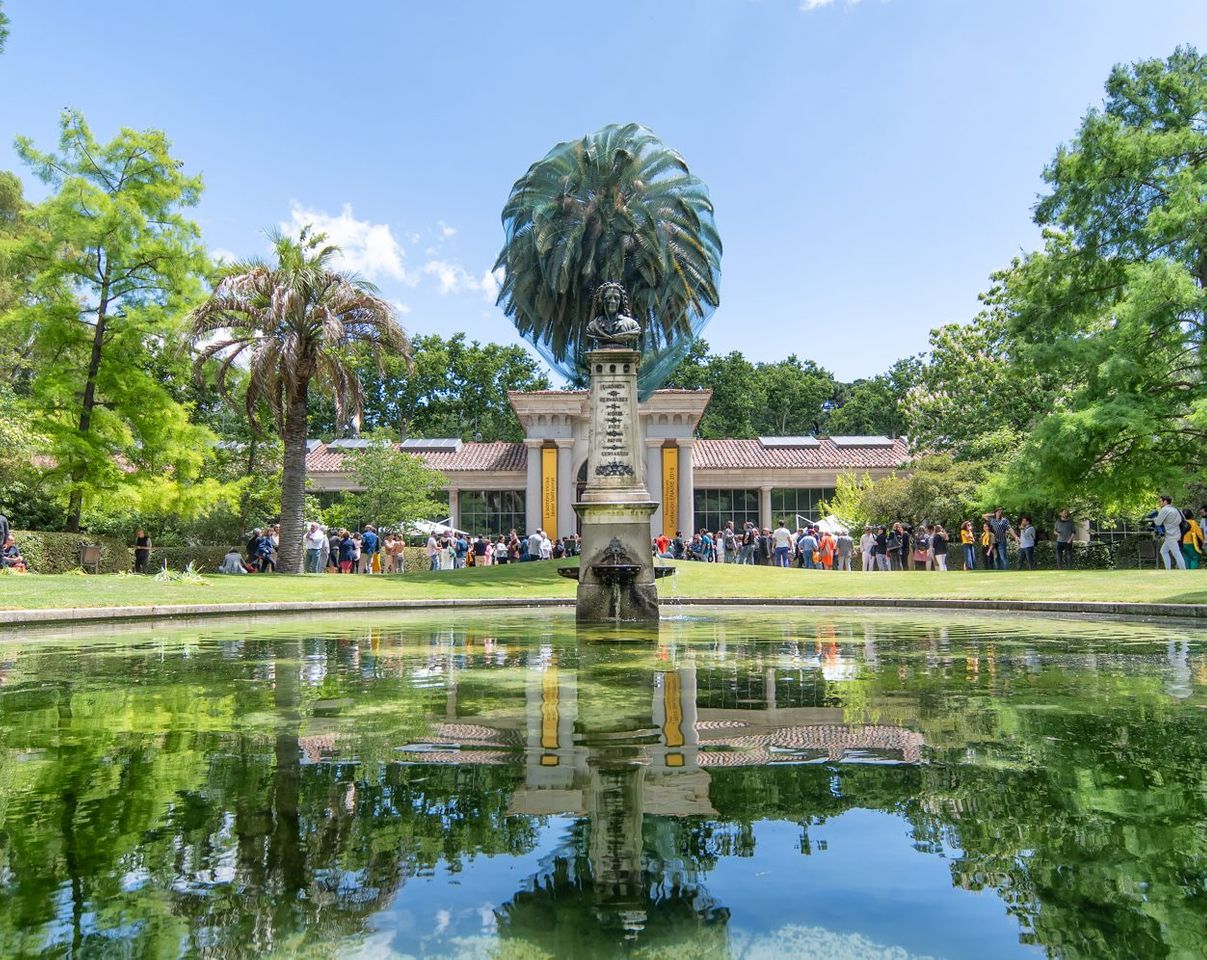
(738, 785)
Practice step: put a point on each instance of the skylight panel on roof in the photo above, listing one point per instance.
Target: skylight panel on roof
(874, 441)
(432, 444)
(771, 443)
(349, 444)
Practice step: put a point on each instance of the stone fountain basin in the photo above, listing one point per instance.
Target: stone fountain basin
(614, 571)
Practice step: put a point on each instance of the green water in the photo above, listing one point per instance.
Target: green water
(746, 784)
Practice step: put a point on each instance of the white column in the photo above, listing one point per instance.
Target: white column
(567, 522)
(454, 507)
(653, 480)
(532, 491)
(765, 519)
(687, 500)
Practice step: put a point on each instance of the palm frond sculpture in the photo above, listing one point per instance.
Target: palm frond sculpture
(617, 205)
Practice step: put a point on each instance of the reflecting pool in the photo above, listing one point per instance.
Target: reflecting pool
(745, 783)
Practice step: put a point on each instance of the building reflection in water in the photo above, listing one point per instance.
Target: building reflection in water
(610, 733)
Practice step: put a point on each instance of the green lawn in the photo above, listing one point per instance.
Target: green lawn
(522, 581)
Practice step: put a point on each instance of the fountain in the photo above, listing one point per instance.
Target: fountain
(616, 574)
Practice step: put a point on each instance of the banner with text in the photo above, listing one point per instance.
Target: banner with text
(670, 490)
(549, 491)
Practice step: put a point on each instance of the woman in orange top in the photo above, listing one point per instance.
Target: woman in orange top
(826, 548)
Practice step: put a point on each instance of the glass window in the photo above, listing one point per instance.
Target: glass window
(493, 511)
(787, 504)
(714, 508)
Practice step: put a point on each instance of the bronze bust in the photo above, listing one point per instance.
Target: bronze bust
(612, 325)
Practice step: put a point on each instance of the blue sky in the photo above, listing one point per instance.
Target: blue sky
(870, 162)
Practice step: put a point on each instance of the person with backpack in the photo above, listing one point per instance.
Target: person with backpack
(1168, 525)
(729, 543)
(1192, 541)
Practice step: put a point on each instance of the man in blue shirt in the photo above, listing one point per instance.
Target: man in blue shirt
(369, 548)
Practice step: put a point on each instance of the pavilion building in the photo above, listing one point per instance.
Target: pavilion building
(497, 487)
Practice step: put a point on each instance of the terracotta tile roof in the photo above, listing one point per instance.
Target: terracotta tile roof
(494, 457)
(739, 454)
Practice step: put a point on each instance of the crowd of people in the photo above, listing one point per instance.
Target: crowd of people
(370, 551)
(921, 546)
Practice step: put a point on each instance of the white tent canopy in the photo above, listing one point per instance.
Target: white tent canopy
(429, 528)
(827, 524)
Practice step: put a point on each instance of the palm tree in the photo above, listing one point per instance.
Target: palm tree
(616, 205)
(294, 323)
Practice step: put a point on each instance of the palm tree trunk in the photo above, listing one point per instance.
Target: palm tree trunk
(293, 481)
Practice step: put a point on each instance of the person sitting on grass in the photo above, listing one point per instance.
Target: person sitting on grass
(232, 562)
(12, 556)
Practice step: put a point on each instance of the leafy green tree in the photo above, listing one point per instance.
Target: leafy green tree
(616, 205)
(935, 489)
(454, 388)
(113, 266)
(973, 396)
(296, 321)
(396, 488)
(786, 398)
(3, 28)
(1115, 304)
(877, 405)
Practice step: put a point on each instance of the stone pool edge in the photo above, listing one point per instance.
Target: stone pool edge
(16, 618)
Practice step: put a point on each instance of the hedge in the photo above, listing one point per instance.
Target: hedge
(60, 552)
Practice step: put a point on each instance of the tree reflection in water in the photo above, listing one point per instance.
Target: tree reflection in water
(236, 792)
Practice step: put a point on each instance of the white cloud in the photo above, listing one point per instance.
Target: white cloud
(445, 230)
(400, 308)
(816, 4)
(222, 255)
(365, 247)
(454, 278)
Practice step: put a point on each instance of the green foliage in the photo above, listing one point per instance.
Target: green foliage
(60, 552)
(877, 405)
(452, 389)
(937, 488)
(972, 397)
(616, 205)
(1114, 305)
(4, 21)
(396, 489)
(112, 267)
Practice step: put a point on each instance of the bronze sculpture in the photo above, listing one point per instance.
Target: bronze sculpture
(612, 324)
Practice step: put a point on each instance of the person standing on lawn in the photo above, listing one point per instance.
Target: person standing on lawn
(1002, 529)
(1064, 529)
(783, 544)
(314, 542)
(1026, 543)
(1192, 541)
(4, 531)
(968, 543)
(1168, 522)
(844, 546)
(938, 547)
(988, 548)
(142, 550)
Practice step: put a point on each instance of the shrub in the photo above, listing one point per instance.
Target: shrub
(60, 552)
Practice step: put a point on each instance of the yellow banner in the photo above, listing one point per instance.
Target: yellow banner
(672, 729)
(549, 491)
(670, 490)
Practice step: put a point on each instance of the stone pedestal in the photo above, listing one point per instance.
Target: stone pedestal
(616, 575)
